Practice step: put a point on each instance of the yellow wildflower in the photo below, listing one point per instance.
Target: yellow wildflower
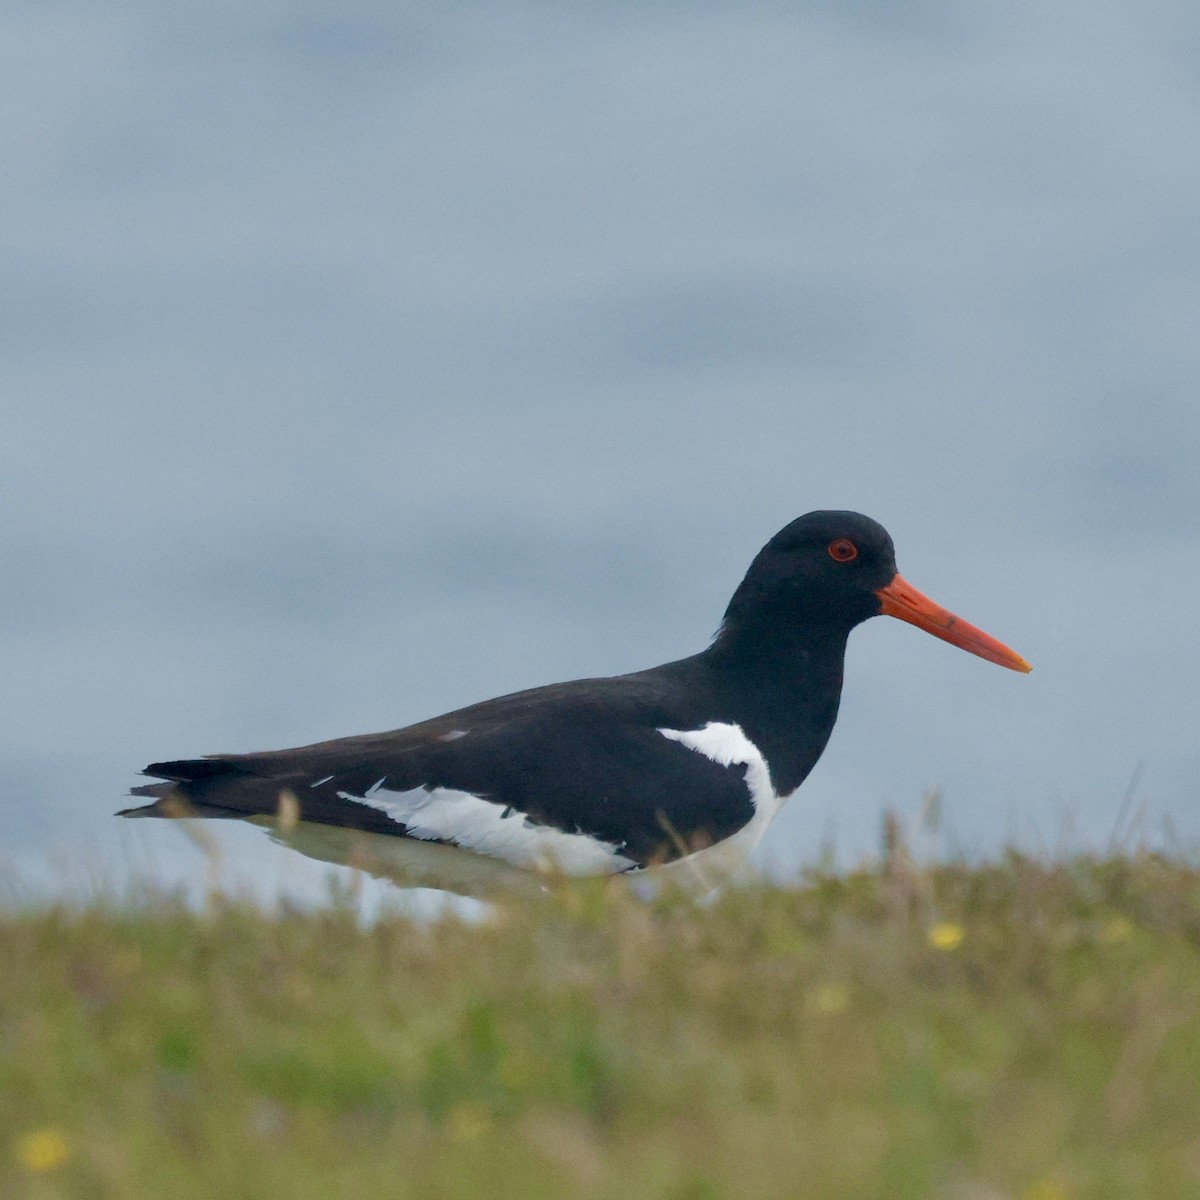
(946, 935)
(42, 1150)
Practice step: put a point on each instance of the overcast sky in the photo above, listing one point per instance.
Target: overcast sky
(363, 361)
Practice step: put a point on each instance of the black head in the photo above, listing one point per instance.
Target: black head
(822, 570)
(825, 573)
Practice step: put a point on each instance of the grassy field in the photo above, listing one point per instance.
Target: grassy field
(1013, 1030)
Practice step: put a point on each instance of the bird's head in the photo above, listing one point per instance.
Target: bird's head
(833, 570)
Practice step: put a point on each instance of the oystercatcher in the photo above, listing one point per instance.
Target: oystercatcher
(685, 763)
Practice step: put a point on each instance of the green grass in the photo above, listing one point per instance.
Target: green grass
(1013, 1030)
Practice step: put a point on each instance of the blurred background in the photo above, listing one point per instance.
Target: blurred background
(361, 361)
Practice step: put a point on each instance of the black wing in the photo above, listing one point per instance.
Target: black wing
(585, 759)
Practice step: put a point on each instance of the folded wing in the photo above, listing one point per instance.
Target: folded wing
(530, 786)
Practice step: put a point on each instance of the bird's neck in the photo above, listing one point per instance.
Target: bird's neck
(784, 683)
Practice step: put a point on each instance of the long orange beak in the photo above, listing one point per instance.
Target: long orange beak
(901, 599)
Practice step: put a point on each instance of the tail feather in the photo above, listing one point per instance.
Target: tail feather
(170, 794)
(252, 787)
(191, 770)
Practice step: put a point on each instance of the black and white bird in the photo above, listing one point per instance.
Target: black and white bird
(682, 764)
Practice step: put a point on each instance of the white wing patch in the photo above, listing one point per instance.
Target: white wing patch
(727, 744)
(443, 814)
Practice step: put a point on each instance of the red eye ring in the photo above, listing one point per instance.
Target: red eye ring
(843, 550)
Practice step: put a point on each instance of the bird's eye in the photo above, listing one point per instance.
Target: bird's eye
(843, 550)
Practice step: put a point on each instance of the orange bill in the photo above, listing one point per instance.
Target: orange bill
(900, 599)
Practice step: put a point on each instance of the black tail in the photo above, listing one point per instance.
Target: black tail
(174, 798)
(189, 770)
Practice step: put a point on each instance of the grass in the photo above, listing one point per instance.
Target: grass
(1017, 1030)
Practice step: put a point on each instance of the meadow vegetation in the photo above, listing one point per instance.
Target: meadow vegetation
(1019, 1029)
